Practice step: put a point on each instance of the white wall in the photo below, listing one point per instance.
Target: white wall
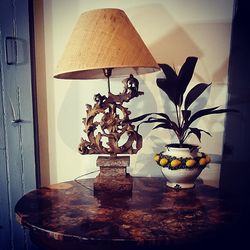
(172, 30)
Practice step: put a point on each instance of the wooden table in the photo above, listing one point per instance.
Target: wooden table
(69, 216)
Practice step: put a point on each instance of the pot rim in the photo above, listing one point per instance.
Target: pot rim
(184, 146)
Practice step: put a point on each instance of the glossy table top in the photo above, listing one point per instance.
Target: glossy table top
(153, 215)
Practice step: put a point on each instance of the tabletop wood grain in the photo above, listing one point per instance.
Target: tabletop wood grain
(69, 214)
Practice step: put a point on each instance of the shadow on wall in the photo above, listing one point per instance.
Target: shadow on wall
(73, 106)
(176, 45)
(180, 41)
(171, 48)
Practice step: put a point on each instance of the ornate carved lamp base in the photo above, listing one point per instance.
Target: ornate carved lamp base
(109, 132)
(113, 175)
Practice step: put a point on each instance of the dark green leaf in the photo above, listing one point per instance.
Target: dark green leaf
(153, 120)
(209, 111)
(168, 71)
(187, 70)
(185, 75)
(197, 132)
(170, 88)
(168, 84)
(186, 114)
(162, 115)
(174, 86)
(194, 93)
(141, 117)
(219, 111)
(199, 114)
(138, 118)
(164, 125)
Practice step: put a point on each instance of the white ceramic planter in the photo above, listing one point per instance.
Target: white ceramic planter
(182, 166)
(181, 178)
(191, 151)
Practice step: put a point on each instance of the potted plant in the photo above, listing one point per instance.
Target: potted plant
(181, 163)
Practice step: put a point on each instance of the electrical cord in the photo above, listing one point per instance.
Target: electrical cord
(78, 182)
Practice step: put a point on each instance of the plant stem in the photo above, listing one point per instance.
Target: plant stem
(180, 120)
(185, 136)
(180, 116)
(177, 116)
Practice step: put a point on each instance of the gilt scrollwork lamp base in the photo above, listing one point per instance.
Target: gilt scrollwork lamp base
(108, 133)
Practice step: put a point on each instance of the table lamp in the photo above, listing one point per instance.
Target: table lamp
(104, 43)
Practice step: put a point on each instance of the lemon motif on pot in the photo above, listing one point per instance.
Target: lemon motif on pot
(175, 163)
(157, 157)
(202, 161)
(163, 162)
(190, 163)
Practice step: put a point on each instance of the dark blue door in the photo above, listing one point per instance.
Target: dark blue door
(17, 143)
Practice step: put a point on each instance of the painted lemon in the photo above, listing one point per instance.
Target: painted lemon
(190, 163)
(208, 159)
(175, 163)
(202, 161)
(163, 162)
(157, 157)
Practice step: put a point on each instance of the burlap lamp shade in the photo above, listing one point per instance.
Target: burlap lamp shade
(103, 39)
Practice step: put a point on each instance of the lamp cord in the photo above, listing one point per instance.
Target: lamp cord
(78, 182)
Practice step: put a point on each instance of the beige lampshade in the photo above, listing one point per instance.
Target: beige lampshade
(101, 39)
